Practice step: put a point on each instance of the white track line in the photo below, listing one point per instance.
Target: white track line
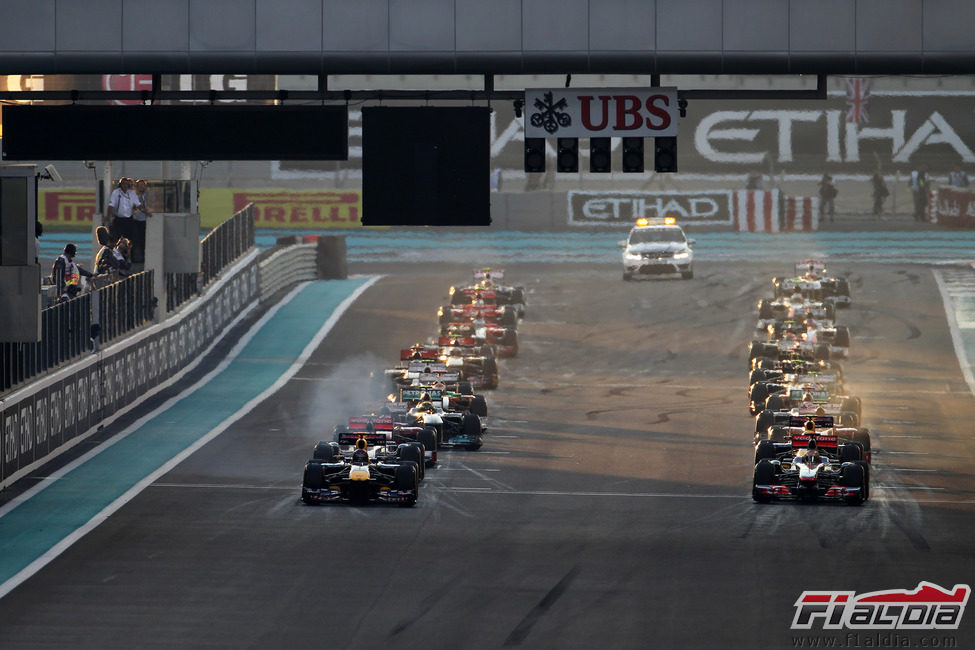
(93, 523)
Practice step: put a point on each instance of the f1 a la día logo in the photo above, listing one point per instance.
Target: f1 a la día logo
(928, 607)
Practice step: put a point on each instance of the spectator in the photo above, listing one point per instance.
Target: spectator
(919, 188)
(66, 275)
(827, 197)
(880, 193)
(38, 231)
(110, 259)
(140, 211)
(958, 178)
(120, 205)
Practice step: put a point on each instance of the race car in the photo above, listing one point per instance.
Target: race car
(454, 428)
(503, 340)
(361, 478)
(496, 315)
(794, 307)
(479, 370)
(782, 385)
(487, 287)
(657, 247)
(811, 466)
(790, 425)
(807, 400)
(811, 333)
(422, 372)
(393, 435)
(812, 281)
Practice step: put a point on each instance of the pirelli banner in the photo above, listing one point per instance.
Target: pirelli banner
(273, 208)
(68, 405)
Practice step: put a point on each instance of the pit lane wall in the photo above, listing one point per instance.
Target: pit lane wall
(64, 408)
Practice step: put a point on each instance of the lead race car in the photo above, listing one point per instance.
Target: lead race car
(362, 477)
(811, 466)
(812, 281)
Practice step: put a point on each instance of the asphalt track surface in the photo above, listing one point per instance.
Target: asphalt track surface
(609, 507)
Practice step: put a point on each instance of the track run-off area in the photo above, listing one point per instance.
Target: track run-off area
(609, 506)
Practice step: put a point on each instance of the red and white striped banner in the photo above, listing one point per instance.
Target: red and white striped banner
(757, 210)
(801, 213)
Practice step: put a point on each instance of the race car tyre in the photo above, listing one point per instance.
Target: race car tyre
(470, 425)
(852, 476)
(518, 296)
(778, 433)
(465, 388)
(775, 402)
(756, 376)
(487, 351)
(421, 464)
(764, 475)
(764, 449)
(763, 421)
(509, 318)
(841, 338)
(407, 479)
(458, 297)
(757, 395)
(851, 404)
(765, 309)
(490, 367)
(312, 479)
(851, 452)
(862, 436)
(831, 311)
(822, 352)
(755, 350)
(478, 406)
(865, 466)
(843, 287)
(412, 452)
(848, 419)
(327, 451)
(509, 337)
(445, 317)
(428, 438)
(777, 288)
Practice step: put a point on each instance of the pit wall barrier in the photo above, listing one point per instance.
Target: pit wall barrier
(771, 211)
(953, 207)
(65, 407)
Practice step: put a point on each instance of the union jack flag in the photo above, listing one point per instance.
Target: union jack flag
(857, 96)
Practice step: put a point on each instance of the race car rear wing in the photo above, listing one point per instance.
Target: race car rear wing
(413, 394)
(464, 341)
(803, 266)
(379, 423)
(825, 442)
(425, 353)
(372, 439)
(821, 421)
(488, 274)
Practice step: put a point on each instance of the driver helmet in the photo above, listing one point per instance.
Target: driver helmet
(360, 456)
(810, 427)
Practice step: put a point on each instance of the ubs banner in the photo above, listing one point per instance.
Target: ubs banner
(710, 208)
(800, 137)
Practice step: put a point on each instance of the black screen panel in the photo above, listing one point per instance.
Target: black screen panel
(175, 133)
(426, 166)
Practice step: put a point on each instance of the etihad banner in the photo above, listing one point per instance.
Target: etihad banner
(623, 208)
(893, 131)
(285, 209)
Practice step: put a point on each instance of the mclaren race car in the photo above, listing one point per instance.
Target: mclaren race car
(812, 466)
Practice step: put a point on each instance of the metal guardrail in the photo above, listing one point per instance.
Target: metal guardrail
(225, 243)
(286, 267)
(66, 328)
